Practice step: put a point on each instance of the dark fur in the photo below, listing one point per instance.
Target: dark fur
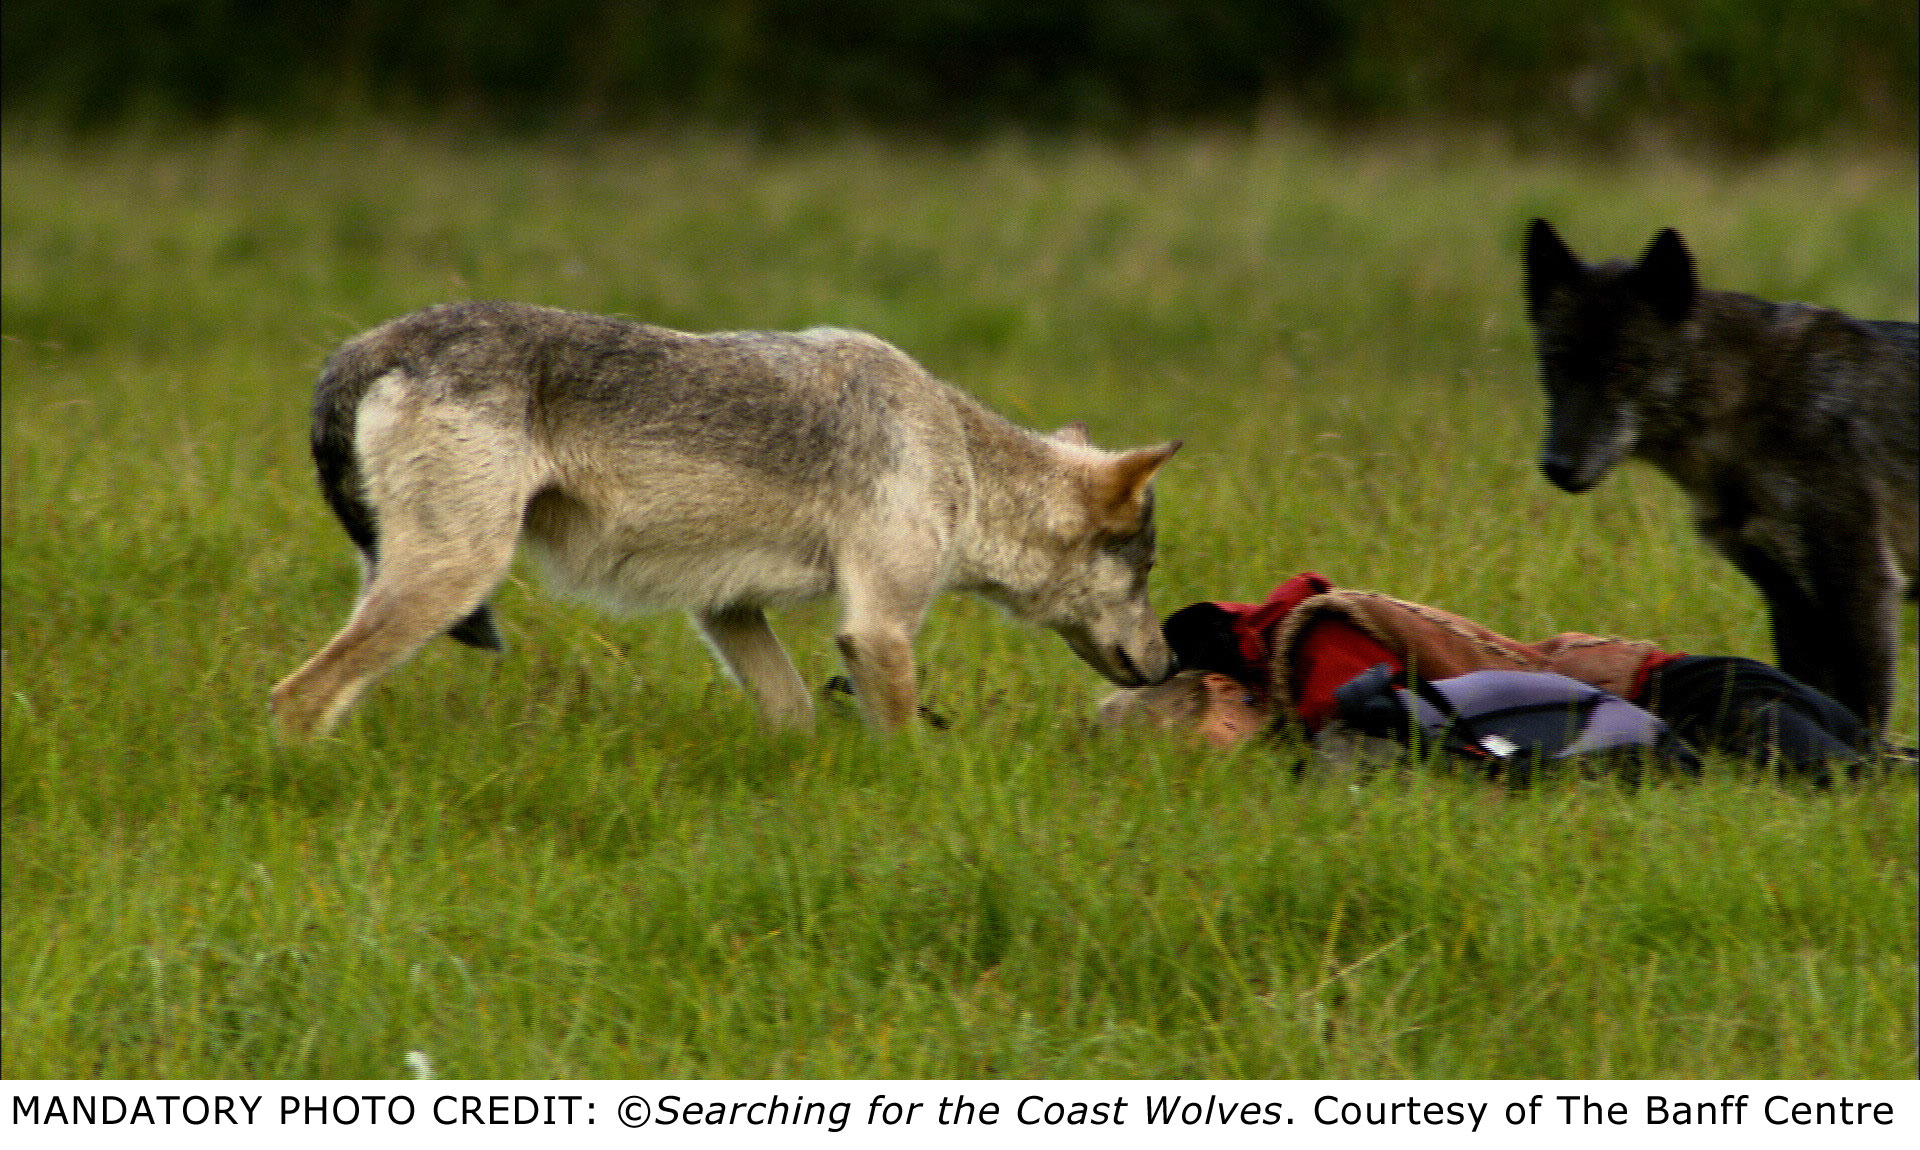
(1794, 430)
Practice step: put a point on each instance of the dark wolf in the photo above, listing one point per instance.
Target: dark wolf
(718, 474)
(1792, 428)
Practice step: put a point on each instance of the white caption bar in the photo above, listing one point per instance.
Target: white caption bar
(372, 1115)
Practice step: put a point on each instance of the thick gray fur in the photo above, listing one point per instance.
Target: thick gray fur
(719, 474)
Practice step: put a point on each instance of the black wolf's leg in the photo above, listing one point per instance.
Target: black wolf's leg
(1858, 591)
(1798, 645)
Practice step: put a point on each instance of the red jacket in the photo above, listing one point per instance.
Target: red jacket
(1313, 639)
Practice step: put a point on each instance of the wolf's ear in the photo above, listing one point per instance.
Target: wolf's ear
(1664, 277)
(1550, 265)
(1119, 492)
(1074, 433)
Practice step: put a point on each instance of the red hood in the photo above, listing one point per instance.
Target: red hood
(1252, 621)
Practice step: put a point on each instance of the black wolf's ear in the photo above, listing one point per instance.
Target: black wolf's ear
(1075, 433)
(1550, 265)
(1664, 277)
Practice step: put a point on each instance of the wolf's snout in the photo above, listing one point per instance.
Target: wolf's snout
(1155, 665)
(1138, 664)
(1563, 471)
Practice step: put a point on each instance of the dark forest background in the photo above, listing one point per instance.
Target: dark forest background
(1747, 74)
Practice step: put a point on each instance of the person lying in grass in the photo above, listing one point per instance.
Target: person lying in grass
(1248, 669)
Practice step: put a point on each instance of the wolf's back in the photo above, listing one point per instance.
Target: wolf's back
(1904, 336)
(1896, 406)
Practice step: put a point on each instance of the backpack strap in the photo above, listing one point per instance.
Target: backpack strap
(1457, 732)
(1424, 688)
(1372, 701)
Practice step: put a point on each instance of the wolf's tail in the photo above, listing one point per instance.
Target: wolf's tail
(336, 407)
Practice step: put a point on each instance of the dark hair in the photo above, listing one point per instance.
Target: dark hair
(1203, 639)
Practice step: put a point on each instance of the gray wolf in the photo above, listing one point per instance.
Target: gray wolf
(1791, 428)
(719, 474)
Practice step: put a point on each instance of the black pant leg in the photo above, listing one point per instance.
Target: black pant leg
(1747, 708)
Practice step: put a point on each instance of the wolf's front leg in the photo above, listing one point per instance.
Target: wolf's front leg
(749, 649)
(1798, 646)
(880, 663)
(1834, 618)
(1857, 585)
(883, 610)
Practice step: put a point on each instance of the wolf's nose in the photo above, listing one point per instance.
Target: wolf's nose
(1153, 666)
(1559, 469)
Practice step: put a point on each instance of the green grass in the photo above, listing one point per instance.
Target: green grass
(581, 858)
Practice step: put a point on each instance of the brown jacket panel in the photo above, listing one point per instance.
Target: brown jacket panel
(1438, 644)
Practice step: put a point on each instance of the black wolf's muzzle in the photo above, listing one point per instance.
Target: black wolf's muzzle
(1563, 471)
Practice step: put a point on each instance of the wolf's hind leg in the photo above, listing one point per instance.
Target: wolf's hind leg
(752, 653)
(412, 598)
(449, 490)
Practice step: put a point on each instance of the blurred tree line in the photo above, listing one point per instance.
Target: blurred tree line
(1741, 73)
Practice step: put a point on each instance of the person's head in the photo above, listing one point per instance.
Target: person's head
(1207, 705)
